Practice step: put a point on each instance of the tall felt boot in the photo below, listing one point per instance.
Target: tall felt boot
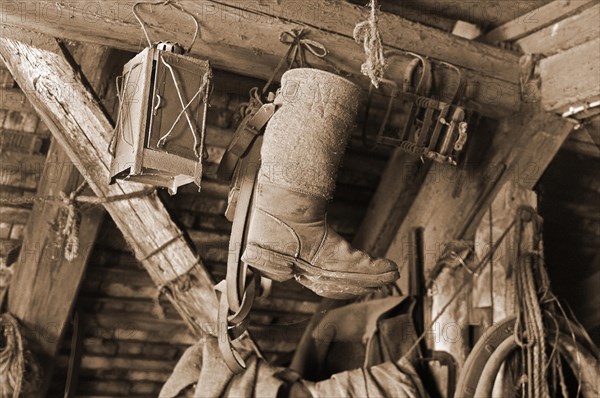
(304, 143)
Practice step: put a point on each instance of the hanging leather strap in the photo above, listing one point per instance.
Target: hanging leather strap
(243, 138)
(237, 293)
(422, 88)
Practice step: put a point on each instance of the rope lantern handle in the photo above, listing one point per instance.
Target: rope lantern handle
(174, 5)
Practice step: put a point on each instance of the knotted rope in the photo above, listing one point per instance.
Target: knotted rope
(68, 219)
(367, 33)
(18, 369)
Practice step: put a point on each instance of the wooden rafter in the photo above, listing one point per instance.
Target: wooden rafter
(247, 41)
(78, 123)
(571, 78)
(564, 34)
(534, 20)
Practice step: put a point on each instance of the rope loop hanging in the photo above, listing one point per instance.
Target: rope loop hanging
(174, 5)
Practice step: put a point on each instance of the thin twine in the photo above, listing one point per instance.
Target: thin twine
(296, 52)
(165, 3)
(368, 33)
(202, 89)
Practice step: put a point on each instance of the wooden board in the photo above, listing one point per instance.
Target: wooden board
(534, 20)
(247, 42)
(571, 78)
(44, 285)
(47, 283)
(564, 34)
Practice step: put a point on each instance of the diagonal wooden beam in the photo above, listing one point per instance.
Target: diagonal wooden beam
(236, 38)
(395, 193)
(78, 123)
(452, 199)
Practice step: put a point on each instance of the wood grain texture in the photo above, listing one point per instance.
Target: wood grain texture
(247, 42)
(80, 126)
(534, 20)
(571, 78)
(564, 34)
(44, 285)
(51, 283)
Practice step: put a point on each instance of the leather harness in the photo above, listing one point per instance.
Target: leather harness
(240, 165)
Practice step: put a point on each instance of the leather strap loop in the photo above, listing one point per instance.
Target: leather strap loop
(243, 138)
(232, 358)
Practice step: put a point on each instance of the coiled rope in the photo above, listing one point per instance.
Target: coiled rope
(19, 372)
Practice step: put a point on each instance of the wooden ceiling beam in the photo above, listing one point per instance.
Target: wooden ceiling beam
(534, 20)
(247, 42)
(571, 78)
(79, 124)
(564, 34)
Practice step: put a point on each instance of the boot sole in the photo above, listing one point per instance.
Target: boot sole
(281, 267)
(333, 290)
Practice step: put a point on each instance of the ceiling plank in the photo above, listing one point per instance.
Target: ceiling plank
(78, 123)
(247, 42)
(571, 78)
(534, 20)
(484, 13)
(564, 34)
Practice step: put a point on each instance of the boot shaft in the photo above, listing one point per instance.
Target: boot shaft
(305, 140)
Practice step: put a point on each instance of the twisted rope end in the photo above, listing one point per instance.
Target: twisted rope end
(367, 33)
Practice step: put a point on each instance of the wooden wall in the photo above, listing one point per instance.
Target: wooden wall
(24, 141)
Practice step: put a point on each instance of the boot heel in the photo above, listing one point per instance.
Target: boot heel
(268, 263)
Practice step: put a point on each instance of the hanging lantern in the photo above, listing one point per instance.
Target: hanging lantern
(160, 128)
